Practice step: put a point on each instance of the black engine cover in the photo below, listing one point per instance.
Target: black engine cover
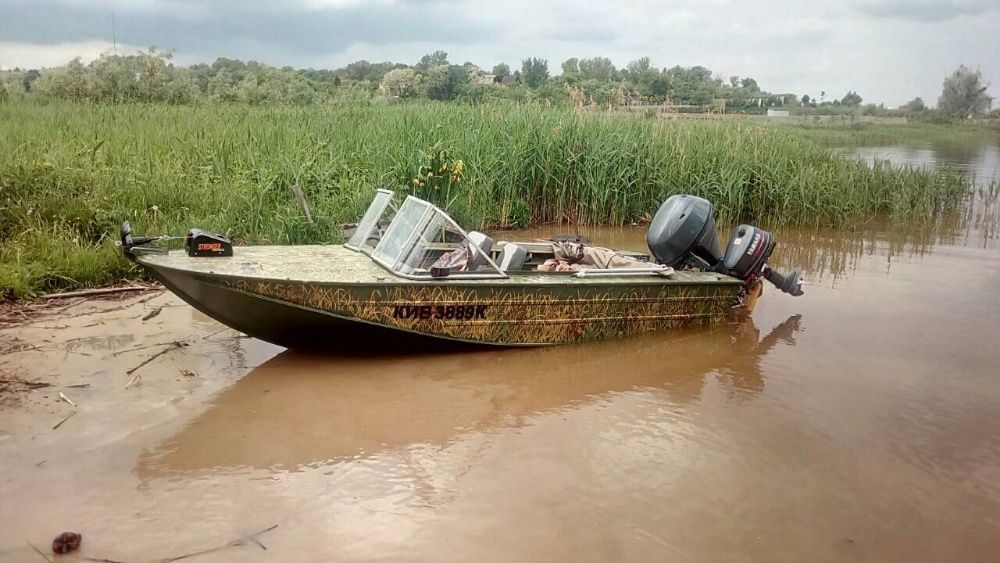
(204, 243)
(684, 228)
(747, 252)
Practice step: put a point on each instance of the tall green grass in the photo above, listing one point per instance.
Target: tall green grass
(69, 174)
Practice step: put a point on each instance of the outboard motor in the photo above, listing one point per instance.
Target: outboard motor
(683, 235)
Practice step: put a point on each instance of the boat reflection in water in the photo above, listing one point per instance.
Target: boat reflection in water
(299, 409)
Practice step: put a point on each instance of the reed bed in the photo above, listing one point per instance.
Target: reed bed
(70, 173)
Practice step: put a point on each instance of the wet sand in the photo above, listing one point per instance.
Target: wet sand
(856, 423)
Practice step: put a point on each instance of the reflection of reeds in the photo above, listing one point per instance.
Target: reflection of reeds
(517, 315)
(835, 252)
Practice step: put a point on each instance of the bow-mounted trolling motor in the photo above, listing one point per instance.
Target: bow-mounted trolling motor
(683, 235)
(197, 243)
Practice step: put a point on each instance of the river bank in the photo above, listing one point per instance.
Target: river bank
(71, 173)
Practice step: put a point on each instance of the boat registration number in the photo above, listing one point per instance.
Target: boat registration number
(450, 312)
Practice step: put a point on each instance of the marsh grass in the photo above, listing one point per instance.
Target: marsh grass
(70, 173)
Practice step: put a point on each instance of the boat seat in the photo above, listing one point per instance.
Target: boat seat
(485, 244)
(512, 257)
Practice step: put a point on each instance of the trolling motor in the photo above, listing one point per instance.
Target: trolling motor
(683, 235)
(198, 242)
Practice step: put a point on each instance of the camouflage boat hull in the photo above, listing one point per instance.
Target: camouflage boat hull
(328, 296)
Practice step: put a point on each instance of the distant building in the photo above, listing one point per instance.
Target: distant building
(771, 112)
(508, 80)
(487, 79)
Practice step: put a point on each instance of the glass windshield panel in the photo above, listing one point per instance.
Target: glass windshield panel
(404, 226)
(369, 232)
(422, 237)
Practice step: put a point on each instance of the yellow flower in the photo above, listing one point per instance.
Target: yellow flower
(430, 174)
(421, 184)
(416, 181)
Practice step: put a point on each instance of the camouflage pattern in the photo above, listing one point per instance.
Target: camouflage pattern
(523, 309)
(507, 315)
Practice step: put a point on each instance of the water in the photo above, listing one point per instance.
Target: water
(859, 422)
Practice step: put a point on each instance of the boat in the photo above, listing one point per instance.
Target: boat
(410, 277)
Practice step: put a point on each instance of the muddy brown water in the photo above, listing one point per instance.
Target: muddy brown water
(860, 422)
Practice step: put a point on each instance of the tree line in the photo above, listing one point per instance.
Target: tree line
(151, 76)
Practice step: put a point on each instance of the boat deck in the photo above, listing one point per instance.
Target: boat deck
(334, 264)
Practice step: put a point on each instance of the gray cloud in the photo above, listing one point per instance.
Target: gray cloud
(237, 29)
(925, 10)
(887, 50)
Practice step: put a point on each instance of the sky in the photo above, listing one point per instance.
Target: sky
(889, 51)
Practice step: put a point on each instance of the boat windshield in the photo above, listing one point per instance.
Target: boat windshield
(422, 238)
(369, 230)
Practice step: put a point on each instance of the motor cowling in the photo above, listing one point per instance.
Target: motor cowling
(204, 243)
(683, 233)
(747, 252)
(746, 258)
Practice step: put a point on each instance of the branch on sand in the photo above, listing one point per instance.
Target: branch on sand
(101, 291)
(172, 346)
(237, 542)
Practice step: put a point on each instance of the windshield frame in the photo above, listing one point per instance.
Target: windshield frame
(408, 243)
(370, 220)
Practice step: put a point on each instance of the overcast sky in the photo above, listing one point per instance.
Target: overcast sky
(887, 50)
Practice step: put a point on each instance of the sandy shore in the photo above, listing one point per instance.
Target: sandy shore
(87, 385)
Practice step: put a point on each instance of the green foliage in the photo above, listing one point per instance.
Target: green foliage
(401, 83)
(501, 69)
(534, 71)
(437, 175)
(446, 82)
(851, 99)
(914, 105)
(70, 173)
(963, 94)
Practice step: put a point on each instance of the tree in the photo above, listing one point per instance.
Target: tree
(851, 99)
(534, 71)
(597, 68)
(501, 69)
(916, 104)
(446, 82)
(432, 60)
(357, 70)
(29, 77)
(963, 94)
(571, 66)
(401, 82)
(750, 85)
(805, 99)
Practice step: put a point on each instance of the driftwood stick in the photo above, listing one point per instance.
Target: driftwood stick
(91, 292)
(45, 557)
(135, 378)
(71, 415)
(152, 313)
(238, 541)
(173, 346)
(65, 398)
(137, 348)
(300, 199)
